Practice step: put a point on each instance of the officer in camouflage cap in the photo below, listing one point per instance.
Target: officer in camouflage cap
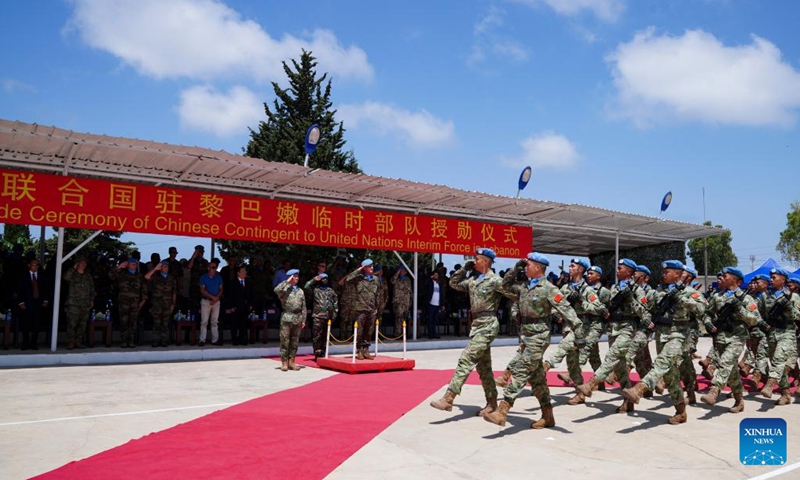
(366, 299)
(485, 291)
(79, 302)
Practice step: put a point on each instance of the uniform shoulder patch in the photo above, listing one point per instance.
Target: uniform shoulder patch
(752, 307)
(695, 295)
(644, 300)
(558, 297)
(593, 298)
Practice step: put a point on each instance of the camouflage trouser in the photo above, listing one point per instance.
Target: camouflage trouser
(686, 366)
(756, 355)
(366, 327)
(290, 337)
(728, 347)
(478, 355)
(593, 330)
(76, 322)
(128, 318)
(527, 366)
(618, 342)
(567, 348)
(712, 355)
(665, 364)
(319, 332)
(347, 316)
(691, 341)
(160, 313)
(636, 356)
(400, 314)
(782, 351)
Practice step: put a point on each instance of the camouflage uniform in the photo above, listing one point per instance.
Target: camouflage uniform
(781, 339)
(293, 316)
(199, 268)
(324, 309)
(538, 299)
(731, 335)
(78, 304)
(638, 355)
(383, 299)
(366, 298)
(485, 292)
(346, 311)
(401, 300)
(673, 331)
(587, 306)
(756, 355)
(632, 311)
(131, 294)
(593, 328)
(165, 294)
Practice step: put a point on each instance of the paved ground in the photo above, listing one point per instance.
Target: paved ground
(51, 416)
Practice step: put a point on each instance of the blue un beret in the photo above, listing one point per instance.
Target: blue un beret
(579, 261)
(165, 262)
(323, 275)
(366, 263)
(794, 280)
(760, 276)
(643, 269)
(486, 252)
(378, 268)
(293, 271)
(780, 271)
(734, 271)
(673, 264)
(538, 258)
(628, 263)
(693, 272)
(133, 260)
(595, 268)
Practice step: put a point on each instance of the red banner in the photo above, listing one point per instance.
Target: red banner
(52, 200)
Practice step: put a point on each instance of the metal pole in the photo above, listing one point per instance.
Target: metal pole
(616, 252)
(355, 339)
(416, 287)
(57, 293)
(305, 163)
(377, 332)
(328, 339)
(705, 241)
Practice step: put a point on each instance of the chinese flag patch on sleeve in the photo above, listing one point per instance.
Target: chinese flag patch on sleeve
(644, 300)
(558, 298)
(752, 307)
(592, 298)
(695, 295)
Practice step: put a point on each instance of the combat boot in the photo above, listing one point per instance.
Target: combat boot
(745, 370)
(634, 394)
(587, 388)
(680, 414)
(360, 355)
(691, 398)
(446, 402)
(292, 365)
(705, 363)
(577, 399)
(564, 377)
(502, 380)
(786, 397)
(660, 386)
(498, 417)
(738, 405)
(708, 373)
(756, 379)
(367, 355)
(611, 379)
(491, 406)
(284, 365)
(766, 392)
(546, 365)
(547, 419)
(626, 407)
(710, 398)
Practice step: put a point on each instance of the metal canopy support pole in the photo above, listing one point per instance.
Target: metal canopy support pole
(616, 263)
(60, 259)
(416, 286)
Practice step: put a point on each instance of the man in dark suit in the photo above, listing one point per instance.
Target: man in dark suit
(32, 302)
(433, 303)
(240, 305)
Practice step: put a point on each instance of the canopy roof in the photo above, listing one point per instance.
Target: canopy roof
(558, 228)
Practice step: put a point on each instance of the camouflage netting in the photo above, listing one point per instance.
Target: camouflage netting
(650, 256)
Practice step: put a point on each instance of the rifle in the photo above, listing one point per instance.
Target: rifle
(666, 306)
(775, 316)
(618, 300)
(725, 321)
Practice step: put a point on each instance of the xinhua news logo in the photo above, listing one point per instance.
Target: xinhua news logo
(762, 441)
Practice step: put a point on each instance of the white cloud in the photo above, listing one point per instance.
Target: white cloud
(546, 150)
(204, 109)
(605, 10)
(695, 77)
(488, 43)
(203, 39)
(420, 129)
(12, 86)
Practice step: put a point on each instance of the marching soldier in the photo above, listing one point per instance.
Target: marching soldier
(293, 317)
(675, 303)
(729, 316)
(401, 299)
(783, 309)
(756, 359)
(366, 298)
(79, 302)
(485, 290)
(638, 355)
(538, 299)
(595, 326)
(686, 367)
(324, 309)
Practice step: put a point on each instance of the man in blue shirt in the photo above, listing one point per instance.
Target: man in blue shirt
(211, 293)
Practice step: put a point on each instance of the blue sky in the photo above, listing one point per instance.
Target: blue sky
(613, 102)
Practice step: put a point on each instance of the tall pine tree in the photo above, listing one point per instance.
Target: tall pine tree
(304, 103)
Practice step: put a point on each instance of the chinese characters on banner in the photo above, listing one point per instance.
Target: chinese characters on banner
(58, 201)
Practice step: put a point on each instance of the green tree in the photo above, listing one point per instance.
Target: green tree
(789, 244)
(720, 253)
(107, 243)
(17, 234)
(281, 138)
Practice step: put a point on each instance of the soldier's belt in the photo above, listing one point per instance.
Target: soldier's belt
(294, 312)
(478, 315)
(531, 320)
(593, 318)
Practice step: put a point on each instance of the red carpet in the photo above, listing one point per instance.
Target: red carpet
(304, 432)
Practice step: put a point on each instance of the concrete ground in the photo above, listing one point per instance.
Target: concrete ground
(55, 415)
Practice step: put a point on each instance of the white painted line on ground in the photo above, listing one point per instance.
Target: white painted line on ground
(775, 473)
(117, 414)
